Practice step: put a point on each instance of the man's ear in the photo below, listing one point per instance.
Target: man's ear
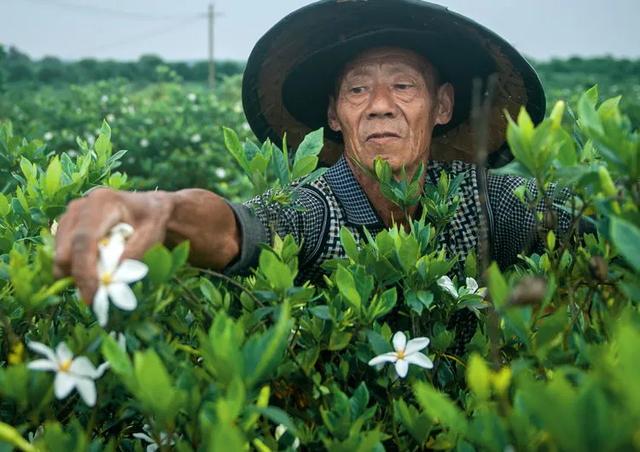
(332, 116)
(444, 109)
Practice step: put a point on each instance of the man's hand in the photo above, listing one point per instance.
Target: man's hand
(88, 220)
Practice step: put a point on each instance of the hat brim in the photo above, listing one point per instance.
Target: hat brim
(292, 70)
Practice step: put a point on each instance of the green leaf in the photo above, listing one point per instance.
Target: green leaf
(277, 416)
(347, 287)
(311, 145)
(264, 352)
(52, 177)
(118, 359)
(479, 377)
(234, 147)
(154, 388)
(497, 286)
(440, 408)
(626, 237)
(349, 243)
(179, 256)
(160, 263)
(4, 205)
(304, 166)
(277, 272)
(339, 340)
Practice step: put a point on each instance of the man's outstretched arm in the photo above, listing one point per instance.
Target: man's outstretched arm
(200, 216)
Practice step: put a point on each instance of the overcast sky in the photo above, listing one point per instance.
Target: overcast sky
(177, 30)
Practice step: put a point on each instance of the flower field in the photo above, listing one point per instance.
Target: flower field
(395, 350)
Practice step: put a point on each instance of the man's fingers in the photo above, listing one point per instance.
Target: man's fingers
(94, 220)
(84, 250)
(62, 259)
(142, 239)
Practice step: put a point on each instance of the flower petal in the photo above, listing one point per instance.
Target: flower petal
(43, 364)
(122, 296)
(130, 271)
(110, 250)
(87, 389)
(416, 344)
(63, 384)
(390, 357)
(420, 359)
(63, 353)
(39, 347)
(124, 230)
(101, 305)
(445, 283)
(399, 341)
(82, 367)
(402, 367)
(102, 368)
(472, 285)
(144, 437)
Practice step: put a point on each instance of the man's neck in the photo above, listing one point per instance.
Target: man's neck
(388, 211)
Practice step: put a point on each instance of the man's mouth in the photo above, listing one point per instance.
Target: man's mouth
(381, 136)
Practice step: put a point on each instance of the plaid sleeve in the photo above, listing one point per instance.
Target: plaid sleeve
(514, 228)
(259, 219)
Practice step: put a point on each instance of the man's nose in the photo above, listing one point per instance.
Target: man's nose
(381, 103)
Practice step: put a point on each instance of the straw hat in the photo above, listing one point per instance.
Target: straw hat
(292, 70)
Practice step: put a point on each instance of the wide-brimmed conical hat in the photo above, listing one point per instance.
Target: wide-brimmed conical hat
(292, 70)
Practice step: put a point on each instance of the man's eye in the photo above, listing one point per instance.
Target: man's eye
(357, 89)
(403, 86)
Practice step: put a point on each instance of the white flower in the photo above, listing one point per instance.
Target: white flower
(104, 99)
(144, 142)
(471, 287)
(281, 430)
(220, 172)
(70, 372)
(405, 353)
(48, 136)
(114, 276)
(192, 97)
(196, 138)
(153, 446)
(111, 117)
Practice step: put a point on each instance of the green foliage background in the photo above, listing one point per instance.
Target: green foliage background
(213, 363)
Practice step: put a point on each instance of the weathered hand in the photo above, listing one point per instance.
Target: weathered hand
(89, 219)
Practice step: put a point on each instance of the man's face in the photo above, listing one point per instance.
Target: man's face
(387, 105)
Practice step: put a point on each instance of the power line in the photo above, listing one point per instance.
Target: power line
(89, 9)
(143, 36)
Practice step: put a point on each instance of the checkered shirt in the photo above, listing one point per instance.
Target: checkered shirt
(336, 200)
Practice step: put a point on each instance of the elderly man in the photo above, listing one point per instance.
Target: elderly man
(387, 78)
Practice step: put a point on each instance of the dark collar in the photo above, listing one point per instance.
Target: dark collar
(350, 195)
(353, 199)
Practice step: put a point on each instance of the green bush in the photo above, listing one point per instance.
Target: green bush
(172, 131)
(209, 362)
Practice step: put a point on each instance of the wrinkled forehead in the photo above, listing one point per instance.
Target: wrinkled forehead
(393, 57)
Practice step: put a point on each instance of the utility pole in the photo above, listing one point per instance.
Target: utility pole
(212, 67)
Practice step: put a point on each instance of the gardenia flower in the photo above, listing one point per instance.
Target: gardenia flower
(196, 138)
(153, 446)
(48, 136)
(114, 277)
(405, 353)
(471, 287)
(144, 142)
(220, 172)
(192, 97)
(70, 372)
